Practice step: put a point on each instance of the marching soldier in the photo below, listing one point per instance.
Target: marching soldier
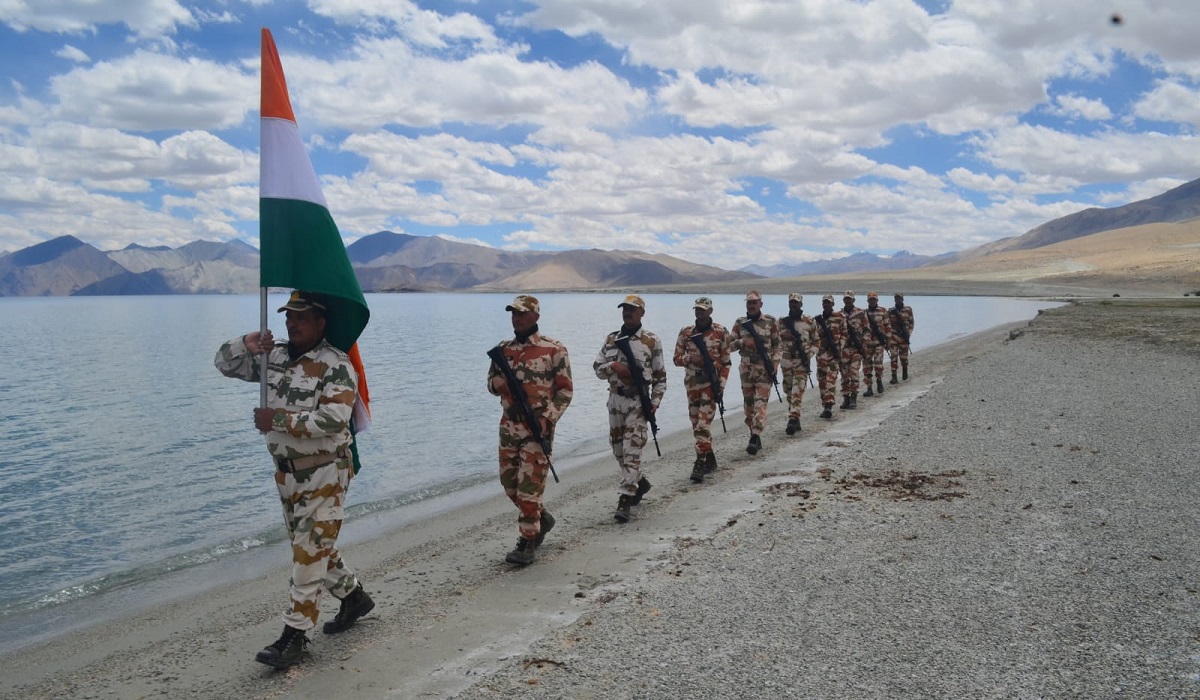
(756, 338)
(879, 330)
(831, 337)
(853, 351)
(627, 420)
(541, 370)
(703, 351)
(901, 317)
(799, 337)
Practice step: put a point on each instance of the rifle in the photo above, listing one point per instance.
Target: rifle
(853, 334)
(831, 345)
(790, 323)
(898, 313)
(522, 400)
(622, 343)
(879, 336)
(762, 353)
(714, 379)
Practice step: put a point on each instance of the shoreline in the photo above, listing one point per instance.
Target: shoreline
(450, 613)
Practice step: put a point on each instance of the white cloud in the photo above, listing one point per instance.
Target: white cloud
(72, 54)
(1075, 107)
(1171, 101)
(145, 18)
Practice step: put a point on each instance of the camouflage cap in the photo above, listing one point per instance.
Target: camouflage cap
(703, 303)
(827, 297)
(872, 295)
(898, 295)
(633, 300)
(753, 295)
(303, 301)
(849, 294)
(524, 302)
(796, 296)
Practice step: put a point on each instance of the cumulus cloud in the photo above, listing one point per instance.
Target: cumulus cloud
(145, 18)
(72, 54)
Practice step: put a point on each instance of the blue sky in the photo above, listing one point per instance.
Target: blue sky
(722, 132)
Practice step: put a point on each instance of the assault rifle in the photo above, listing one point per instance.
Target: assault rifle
(879, 336)
(522, 400)
(853, 335)
(766, 356)
(899, 324)
(714, 379)
(831, 345)
(790, 324)
(643, 391)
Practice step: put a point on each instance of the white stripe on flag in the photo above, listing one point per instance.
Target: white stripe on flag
(285, 172)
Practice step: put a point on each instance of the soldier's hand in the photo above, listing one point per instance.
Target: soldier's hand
(258, 343)
(500, 385)
(621, 370)
(264, 419)
(696, 361)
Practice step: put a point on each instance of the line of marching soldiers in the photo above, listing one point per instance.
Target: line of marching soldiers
(531, 373)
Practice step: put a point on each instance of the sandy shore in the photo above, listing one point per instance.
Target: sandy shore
(1017, 520)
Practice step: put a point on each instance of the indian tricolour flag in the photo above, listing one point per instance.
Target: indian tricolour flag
(301, 247)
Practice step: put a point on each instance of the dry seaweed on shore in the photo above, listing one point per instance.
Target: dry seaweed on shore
(907, 486)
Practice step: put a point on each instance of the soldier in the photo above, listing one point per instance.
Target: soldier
(799, 336)
(853, 351)
(902, 328)
(626, 420)
(310, 398)
(879, 330)
(542, 368)
(831, 337)
(702, 395)
(756, 338)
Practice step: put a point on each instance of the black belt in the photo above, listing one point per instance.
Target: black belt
(299, 464)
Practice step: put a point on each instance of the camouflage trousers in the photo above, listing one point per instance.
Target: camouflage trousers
(873, 364)
(627, 435)
(312, 510)
(827, 376)
(701, 409)
(899, 353)
(523, 470)
(756, 394)
(851, 368)
(795, 381)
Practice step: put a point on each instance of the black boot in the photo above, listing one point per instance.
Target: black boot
(287, 651)
(354, 606)
(642, 489)
(621, 515)
(868, 392)
(522, 554)
(845, 401)
(853, 400)
(697, 476)
(710, 462)
(755, 445)
(547, 524)
(827, 414)
(894, 380)
(879, 385)
(793, 426)
(905, 368)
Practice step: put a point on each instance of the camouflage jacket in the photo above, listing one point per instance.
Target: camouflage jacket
(543, 367)
(806, 329)
(902, 324)
(830, 330)
(316, 393)
(879, 328)
(647, 350)
(719, 344)
(856, 328)
(768, 329)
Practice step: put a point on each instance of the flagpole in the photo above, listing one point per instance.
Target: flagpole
(262, 359)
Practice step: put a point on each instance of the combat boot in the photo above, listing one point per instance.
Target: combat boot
(879, 385)
(853, 400)
(621, 515)
(287, 651)
(547, 524)
(894, 380)
(827, 414)
(522, 554)
(354, 606)
(845, 401)
(697, 476)
(710, 462)
(868, 392)
(904, 367)
(755, 445)
(642, 489)
(792, 426)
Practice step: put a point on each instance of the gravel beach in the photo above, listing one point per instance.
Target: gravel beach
(1016, 521)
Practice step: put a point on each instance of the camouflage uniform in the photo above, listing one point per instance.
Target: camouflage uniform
(879, 330)
(831, 337)
(756, 382)
(702, 406)
(314, 397)
(542, 366)
(852, 356)
(902, 325)
(626, 424)
(798, 348)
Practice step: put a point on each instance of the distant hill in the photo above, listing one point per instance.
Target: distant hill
(858, 262)
(58, 267)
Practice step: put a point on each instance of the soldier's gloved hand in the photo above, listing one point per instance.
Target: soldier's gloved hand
(264, 419)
